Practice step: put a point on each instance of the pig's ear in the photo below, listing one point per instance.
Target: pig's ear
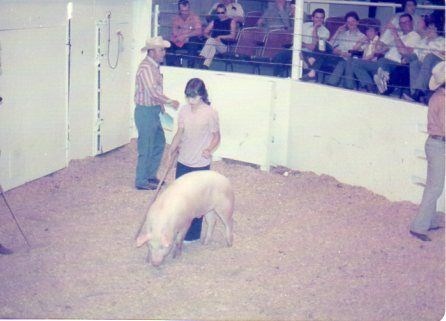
(142, 238)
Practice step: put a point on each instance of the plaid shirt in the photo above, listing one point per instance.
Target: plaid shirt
(149, 84)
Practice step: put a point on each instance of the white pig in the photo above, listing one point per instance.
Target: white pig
(192, 195)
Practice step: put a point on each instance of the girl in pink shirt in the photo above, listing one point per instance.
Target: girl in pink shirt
(197, 137)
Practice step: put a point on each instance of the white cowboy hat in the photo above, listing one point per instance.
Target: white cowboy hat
(155, 42)
(437, 78)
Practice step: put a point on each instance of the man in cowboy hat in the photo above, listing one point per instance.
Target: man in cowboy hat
(150, 101)
(426, 219)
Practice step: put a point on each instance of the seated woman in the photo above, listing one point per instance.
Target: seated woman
(219, 34)
(363, 51)
(342, 42)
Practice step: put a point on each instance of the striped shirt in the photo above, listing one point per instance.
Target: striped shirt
(149, 84)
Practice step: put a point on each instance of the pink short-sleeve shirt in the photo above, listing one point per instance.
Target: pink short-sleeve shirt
(199, 125)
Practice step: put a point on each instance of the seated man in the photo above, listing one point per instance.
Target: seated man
(409, 6)
(186, 33)
(314, 36)
(219, 34)
(345, 37)
(275, 16)
(233, 10)
(429, 52)
(402, 45)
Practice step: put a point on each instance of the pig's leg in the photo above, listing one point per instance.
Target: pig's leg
(225, 210)
(178, 245)
(211, 220)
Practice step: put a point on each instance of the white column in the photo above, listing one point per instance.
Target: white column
(296, 66)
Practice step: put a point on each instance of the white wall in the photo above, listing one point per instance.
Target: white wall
(37, 110)
(360, 139)
(33, 87)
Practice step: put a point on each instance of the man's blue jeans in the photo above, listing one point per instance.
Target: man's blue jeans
(425, 219)
(151, 142)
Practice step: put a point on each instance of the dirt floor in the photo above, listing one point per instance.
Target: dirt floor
(306, 247)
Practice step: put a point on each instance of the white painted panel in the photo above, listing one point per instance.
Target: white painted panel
(360, 139)
(33, 114)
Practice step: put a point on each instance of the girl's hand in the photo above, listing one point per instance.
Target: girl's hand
(206, 153)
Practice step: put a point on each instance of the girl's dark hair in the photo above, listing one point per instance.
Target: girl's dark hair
(195, 87)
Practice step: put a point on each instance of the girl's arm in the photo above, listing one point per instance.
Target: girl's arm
(207, 153)
(175, 143)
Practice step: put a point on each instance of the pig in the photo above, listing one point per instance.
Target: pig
(196, 194)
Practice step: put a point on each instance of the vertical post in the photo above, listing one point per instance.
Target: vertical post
(156, 20)
(68, 86)
(296, 65)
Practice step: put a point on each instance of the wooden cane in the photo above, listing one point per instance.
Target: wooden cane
(158, 188)
(13, 216)
(12, 213)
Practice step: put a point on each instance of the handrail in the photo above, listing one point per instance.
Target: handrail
(356, 3)
(374, 4)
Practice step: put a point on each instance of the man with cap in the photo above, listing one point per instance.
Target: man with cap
(426, 219)
(150, 101)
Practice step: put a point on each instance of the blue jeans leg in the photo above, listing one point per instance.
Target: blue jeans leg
(151, 142)
(194, 231)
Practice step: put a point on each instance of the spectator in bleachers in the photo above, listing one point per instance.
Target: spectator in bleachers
(409, 7)
(233, 10)
(429, 52)
(403, 45)
(219, 34)
(276, 16)
(186, 33)
(314, 37)
(363, 50)
(283, 59)
(343, 41)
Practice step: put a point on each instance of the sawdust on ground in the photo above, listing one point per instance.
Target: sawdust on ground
(306, 247)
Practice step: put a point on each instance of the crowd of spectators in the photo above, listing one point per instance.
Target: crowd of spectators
(399, 55)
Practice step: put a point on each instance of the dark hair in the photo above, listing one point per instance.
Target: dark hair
(352, 14)
(183, 3)
(405, 3)
(436, 20)
(318, 10)
(221, 6)
(406, 15)
(195, 87)
(375, 28)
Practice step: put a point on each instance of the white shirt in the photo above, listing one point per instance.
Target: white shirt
(426, 46)
(409, 40)
(346, 40)
(387, 37)
(307, 33)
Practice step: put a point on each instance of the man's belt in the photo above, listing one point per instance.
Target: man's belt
(437, 137)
